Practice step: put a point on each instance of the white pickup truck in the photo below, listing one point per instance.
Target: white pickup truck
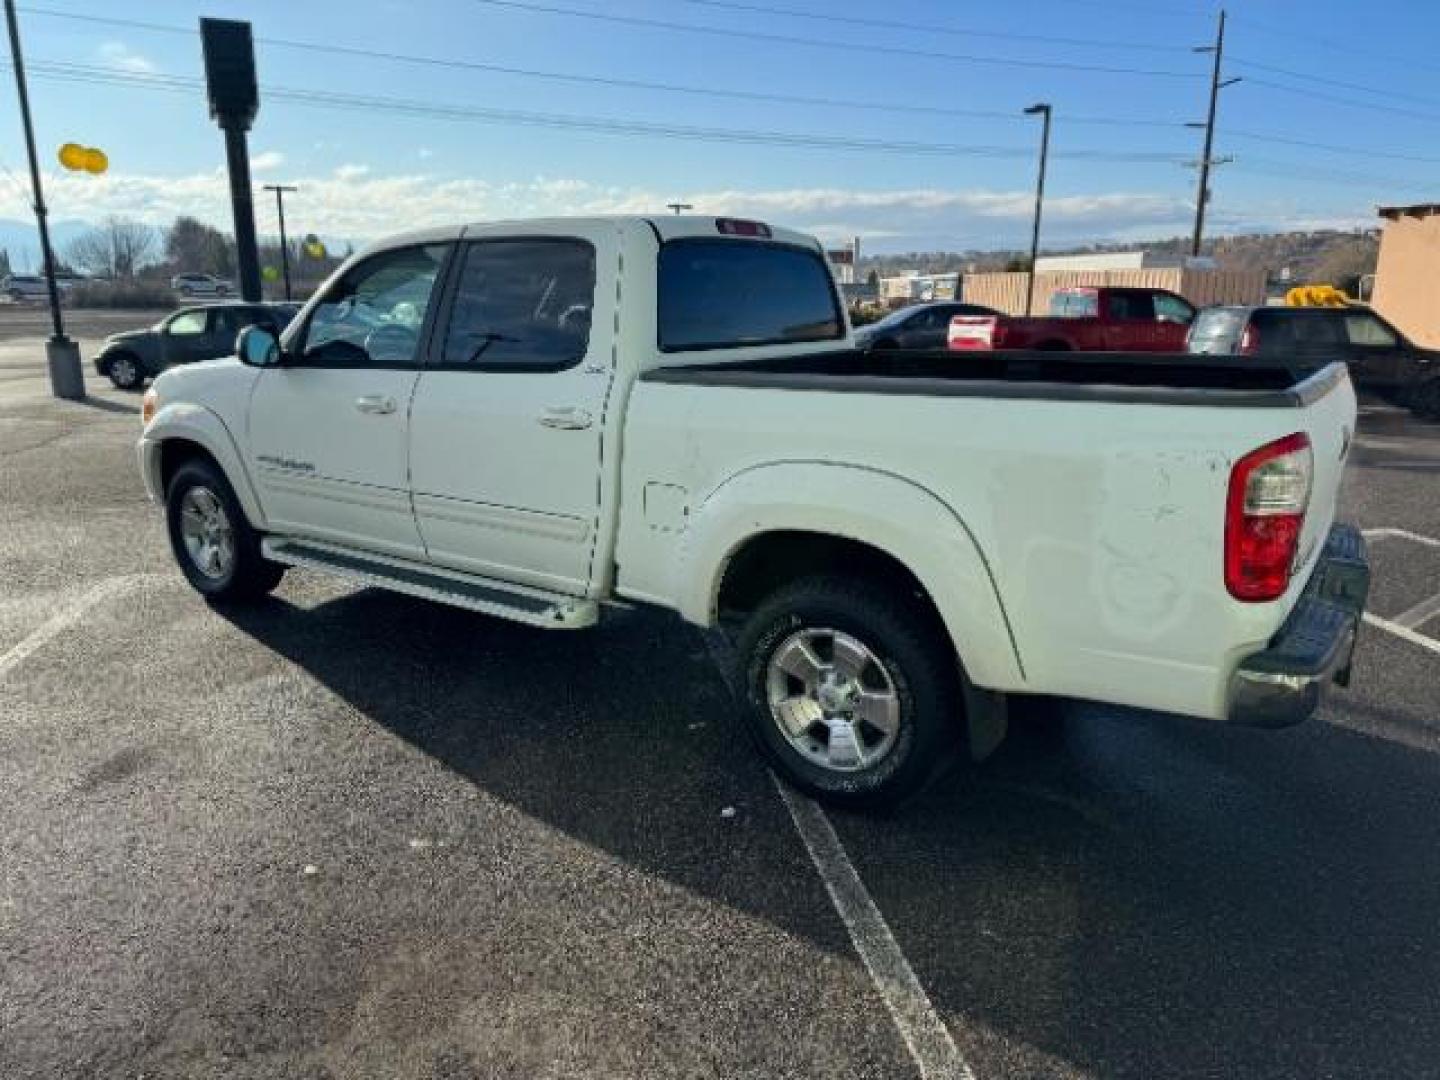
(536, 419)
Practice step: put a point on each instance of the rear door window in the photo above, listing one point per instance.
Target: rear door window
(522, 305)
(717, 294)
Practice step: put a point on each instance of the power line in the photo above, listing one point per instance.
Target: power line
(81, 73)
(90, 75)
(1349, 48)
(1363, 106)
(930, 28)
(1323, 81)
(868, 48)
(1333, 148)
(620, 83)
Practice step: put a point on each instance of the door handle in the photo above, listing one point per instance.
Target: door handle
(375, 404)
(566, 419)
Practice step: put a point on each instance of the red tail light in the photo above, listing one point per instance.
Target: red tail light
(1250, 341)
(1264, 513)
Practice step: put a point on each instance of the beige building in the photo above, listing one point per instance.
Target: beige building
(1407, 279)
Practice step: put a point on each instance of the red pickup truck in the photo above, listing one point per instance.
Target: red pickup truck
(1099, 319)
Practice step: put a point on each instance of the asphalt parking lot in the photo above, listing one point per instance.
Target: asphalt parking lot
(349, 834)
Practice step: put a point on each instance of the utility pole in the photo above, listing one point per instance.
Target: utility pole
(1041, 109)
(62, 356)
(280, 190)
(678, 208)
(1202, 196)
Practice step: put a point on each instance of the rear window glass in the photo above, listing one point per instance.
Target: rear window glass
(716, 294)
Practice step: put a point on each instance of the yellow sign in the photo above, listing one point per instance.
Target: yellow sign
(313, 246)
(1316, 296)
(79, 158)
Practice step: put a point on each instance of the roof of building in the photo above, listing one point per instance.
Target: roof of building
(1394, 213)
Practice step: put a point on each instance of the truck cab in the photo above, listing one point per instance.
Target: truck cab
(1086, 319)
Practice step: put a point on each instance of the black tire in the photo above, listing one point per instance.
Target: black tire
(1425, 400)
(248, 575)
(913, 655)
(125, 371)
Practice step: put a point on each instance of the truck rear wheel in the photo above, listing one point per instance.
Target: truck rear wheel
(217, 550)
(850, 691)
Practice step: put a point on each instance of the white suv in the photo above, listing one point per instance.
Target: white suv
(200, 285)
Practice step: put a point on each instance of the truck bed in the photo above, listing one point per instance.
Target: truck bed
(1153, 378)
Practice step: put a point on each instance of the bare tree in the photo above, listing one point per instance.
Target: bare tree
(117, 248)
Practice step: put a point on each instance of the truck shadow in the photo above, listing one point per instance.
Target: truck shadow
(1113, 891)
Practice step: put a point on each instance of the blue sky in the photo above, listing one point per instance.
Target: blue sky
(1359, 78)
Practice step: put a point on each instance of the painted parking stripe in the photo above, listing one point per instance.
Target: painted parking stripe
(1421, 613)
(919, 1024)
(1404, 633)
(67, 616)
(1401, 534)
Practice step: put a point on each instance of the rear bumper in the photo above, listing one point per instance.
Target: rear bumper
(1282, 684)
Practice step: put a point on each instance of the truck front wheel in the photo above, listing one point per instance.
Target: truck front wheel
(852, 692)
(215, 546)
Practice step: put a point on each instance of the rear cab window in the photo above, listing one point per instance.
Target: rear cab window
(727, 293)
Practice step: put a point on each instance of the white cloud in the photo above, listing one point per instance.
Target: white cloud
(118, 55)
(425, 153)
(351, 203)
(267, 159)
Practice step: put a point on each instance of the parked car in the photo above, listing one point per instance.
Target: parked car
(1102, 319)
(1379, 356)
(183, 337)
(22, 287)
(200, 285)
(920, 326)
(892, 548)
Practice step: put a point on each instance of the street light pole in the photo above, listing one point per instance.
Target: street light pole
(62, 355)
(1040, 109)
(280, 190)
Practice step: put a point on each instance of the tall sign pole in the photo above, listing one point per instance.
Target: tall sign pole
(1202, 195)
(280, 190)
(61, 354)
(234, 100)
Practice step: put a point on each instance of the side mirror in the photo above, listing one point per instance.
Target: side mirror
(258, 347)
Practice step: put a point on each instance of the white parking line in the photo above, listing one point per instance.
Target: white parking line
(1404, 632)
(919, 1024)
(1421, 613)
(62, 620)
(1403, 534)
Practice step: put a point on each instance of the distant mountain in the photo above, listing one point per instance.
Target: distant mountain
(22, 240)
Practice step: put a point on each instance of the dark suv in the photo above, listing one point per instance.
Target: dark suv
(187, 335)
(1380, 357)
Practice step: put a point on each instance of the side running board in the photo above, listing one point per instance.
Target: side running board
(536, 607)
